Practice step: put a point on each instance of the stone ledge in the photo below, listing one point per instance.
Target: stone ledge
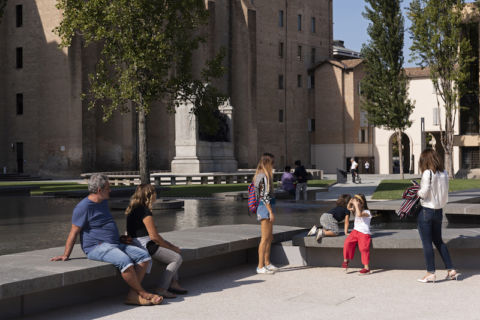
(32, 272)
(399, 239)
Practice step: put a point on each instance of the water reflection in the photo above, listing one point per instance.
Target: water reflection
(29, 223)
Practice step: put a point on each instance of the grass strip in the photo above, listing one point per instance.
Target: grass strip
(393, 189)
(195, 190)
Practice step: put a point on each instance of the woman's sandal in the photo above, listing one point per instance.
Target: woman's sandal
(165, 293)
(453, 275)
(178, 290)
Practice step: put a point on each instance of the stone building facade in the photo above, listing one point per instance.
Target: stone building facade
(342, 130)
(49, 131)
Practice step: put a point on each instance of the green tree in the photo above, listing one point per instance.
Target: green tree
(146, 56)
(438, 43)
(384, 88)
(3, 4)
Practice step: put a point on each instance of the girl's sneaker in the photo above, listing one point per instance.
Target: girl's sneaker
(312, 231)
(264, 270)
(345, 265)
(365, 271)
(320, 234)
(271, 267)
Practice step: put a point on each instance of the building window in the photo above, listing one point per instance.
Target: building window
(280, 115)
(19, 15)
(280, 49)
(470, 157)
(312, 55)
(363, 135)
(280, 82)
(436, 118)
(299, 80)
(19, 58)
(363, 118)
(314, 28)
(299, 22)
(280, 18)
(311, 125)
(299, 52)
(311, 81)
(19, 103)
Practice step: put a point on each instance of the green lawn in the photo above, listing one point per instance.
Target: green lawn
(198, 190)
(175, 191)
(393, 189)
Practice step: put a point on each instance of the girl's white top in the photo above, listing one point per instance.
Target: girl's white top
(434, 194)
(362, 224)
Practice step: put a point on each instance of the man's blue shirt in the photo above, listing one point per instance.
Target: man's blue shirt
(96, 222)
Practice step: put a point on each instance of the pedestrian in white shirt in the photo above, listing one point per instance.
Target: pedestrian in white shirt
(433, 195)
(353, 169)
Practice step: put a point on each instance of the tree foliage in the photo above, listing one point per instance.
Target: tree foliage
(146, 54)
(438, 43)
(384, 88)
(3, 4)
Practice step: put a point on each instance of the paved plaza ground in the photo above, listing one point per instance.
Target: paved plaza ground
(301, 293)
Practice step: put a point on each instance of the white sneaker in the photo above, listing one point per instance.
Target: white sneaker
(264, 271)
(312, 231)
(319, 234)
(271, 267)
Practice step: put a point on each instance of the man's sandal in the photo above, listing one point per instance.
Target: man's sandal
(135, 299)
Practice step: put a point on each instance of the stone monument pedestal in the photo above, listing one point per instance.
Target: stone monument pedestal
(193, 155)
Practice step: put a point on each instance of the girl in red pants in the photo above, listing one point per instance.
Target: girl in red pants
(360, 233)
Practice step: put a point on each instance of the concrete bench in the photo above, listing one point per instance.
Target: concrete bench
(400, 249)
(30, 282)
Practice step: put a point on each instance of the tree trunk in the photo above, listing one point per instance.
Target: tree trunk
(142, 147)
(447, 143)
(400, 152)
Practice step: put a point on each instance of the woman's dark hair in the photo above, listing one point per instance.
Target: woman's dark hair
(430, 160)
(361, 197)
(288, 168)
(343, 200)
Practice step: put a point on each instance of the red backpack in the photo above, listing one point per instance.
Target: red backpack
(253, 200)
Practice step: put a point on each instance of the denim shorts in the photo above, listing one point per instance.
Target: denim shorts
(121, 255)
(262, 211)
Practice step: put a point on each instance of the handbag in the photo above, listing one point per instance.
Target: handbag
(152, 247)
(415, 209)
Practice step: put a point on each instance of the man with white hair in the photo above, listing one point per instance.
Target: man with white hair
(100, 241)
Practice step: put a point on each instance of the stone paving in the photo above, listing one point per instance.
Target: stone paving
(367, 187)
(301, 293)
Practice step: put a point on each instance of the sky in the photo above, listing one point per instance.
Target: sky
(350, 26)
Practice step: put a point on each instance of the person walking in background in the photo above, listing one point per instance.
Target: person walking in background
(288, 181)
(367, 167)
(263, 181)
(330, 220)
(360, 234)
(301, 176)
(353, 168)
(100, 241)
(141, 228)
(433, 195)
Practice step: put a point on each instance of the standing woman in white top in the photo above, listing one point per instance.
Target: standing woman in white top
(433, 195)
(263, 181)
